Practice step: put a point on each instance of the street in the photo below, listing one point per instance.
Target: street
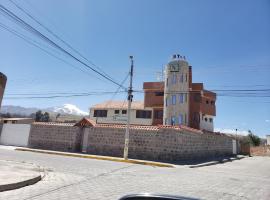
(79, 178)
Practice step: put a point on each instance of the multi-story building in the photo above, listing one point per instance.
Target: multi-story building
(3, 80)
(176, 101)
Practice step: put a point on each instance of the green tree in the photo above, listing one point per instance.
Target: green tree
(39, 116)
(46, 117)
(253, 139)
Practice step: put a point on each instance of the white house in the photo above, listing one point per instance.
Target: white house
(116, 112)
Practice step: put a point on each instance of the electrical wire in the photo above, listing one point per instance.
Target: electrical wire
(29, 28)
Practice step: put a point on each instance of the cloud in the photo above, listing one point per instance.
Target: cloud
(267, 120)
(231, 131)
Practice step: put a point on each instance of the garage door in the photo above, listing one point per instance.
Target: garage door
(15, 134)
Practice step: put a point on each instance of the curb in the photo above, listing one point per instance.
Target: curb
(217, 162)
(107, 158)
(21, 184)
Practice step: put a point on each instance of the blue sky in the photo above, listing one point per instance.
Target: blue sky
(226, 42)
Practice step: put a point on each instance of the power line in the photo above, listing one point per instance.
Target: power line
(37, 44)
(28, 27)
(56, 36)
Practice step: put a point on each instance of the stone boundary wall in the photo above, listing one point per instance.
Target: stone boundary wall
(59, 137)
(160, 144)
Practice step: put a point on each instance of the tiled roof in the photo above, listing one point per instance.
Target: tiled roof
(119, 105)
(85, 122)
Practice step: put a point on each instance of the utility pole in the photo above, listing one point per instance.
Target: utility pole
(130, 96)
(236, 140)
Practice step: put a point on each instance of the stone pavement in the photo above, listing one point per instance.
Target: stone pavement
(78, 178)
(14, 175)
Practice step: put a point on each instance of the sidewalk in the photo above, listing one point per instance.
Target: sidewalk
(14, 175)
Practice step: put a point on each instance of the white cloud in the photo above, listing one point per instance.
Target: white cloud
(267, 120)
(231, 131)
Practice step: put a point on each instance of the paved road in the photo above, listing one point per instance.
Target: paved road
(78, 178)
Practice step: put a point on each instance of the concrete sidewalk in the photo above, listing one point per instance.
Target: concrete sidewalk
(14, 175)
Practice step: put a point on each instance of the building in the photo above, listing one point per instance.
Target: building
(17, 120)
(115, 112)
(176, 101)
(268, 140)
(3, 80)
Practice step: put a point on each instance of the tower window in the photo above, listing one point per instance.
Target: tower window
(174, 79)
(205, 119)
(207, 102)
(124, 112)
(181, 98)
(116, 112)
(210, 120)
(181, 78)
(173, 99)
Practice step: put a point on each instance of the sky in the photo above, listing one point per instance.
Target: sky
(226, 42)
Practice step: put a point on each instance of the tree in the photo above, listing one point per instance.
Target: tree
(46, 117)
(253, 139)
(42, 117)
(39, 116)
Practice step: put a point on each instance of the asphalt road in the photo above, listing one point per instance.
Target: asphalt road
(78, 178)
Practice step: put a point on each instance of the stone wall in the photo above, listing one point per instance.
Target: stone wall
(164, 144)
(61, 137)
(146, 142)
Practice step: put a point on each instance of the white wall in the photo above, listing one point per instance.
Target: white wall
(120, 118)
(15, 134)
(268, 139)
(207, 125)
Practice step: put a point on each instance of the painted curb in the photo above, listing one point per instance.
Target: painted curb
(140, 162)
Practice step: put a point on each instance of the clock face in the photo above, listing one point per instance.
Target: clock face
(174, 68)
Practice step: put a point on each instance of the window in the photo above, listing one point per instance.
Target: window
(210, 120)
(158, 114)
(173, 99)
(186, 78)
(180, 120)
(181, 78)
(124, 112)
(181, 98)
(205, 119)
(207, 102)
(167, 81)
(116, 112)
(167, 101)
(173, 120)
(174, 79)
(159, 93)
(145, 114)
(100, 113)
(212, 103)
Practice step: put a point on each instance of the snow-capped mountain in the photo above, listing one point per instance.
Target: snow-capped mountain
(67, 109)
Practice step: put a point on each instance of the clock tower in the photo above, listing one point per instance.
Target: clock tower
(176, 92)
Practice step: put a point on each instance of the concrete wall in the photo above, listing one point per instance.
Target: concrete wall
(163, 144)
(55, 137)
(15, 134)
(3, 80)
(268, 140)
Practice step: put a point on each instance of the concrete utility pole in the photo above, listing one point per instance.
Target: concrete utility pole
(130, 96)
